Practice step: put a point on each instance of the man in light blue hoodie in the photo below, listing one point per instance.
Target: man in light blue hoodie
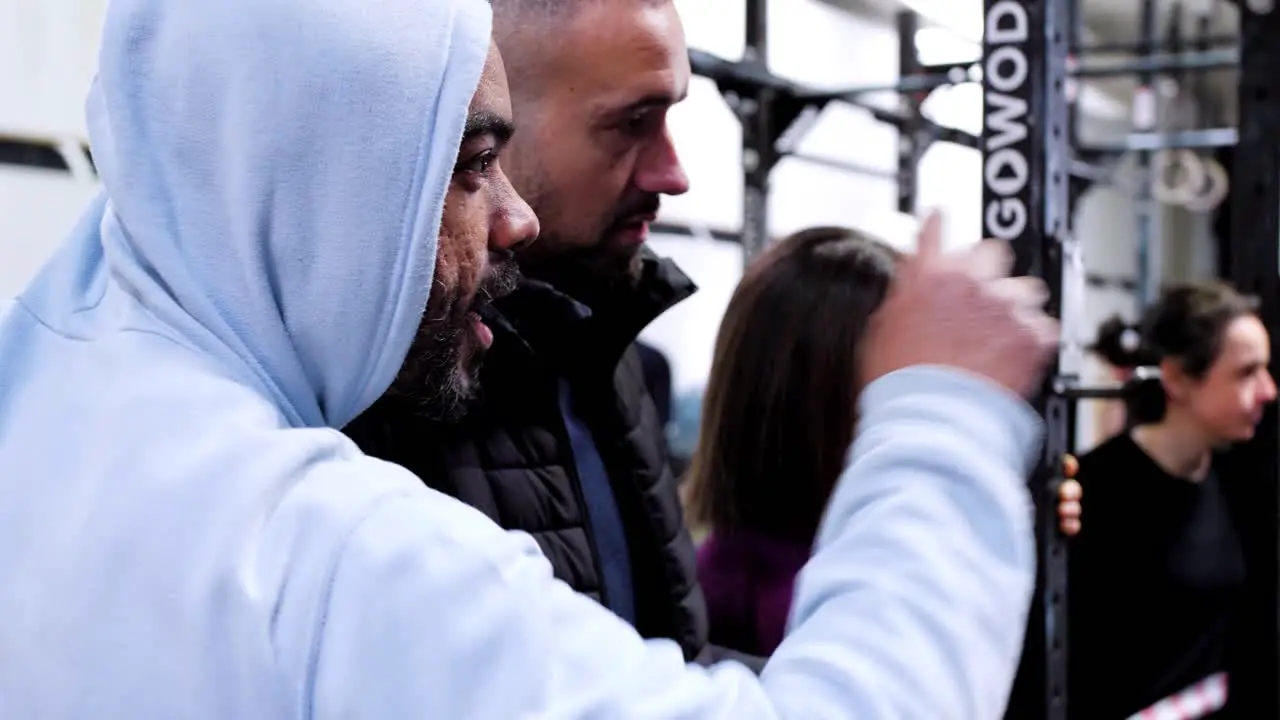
(183, 534)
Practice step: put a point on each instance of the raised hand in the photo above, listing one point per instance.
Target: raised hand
(962, 311)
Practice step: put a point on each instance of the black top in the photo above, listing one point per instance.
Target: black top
(1155, 577)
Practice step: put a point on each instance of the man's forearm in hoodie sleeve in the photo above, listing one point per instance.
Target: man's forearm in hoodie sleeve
(925, 563)
(912, 607)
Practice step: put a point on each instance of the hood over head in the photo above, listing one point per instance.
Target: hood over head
(274, 175)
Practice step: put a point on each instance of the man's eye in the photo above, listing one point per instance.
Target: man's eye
(638, 123)
(479, 164)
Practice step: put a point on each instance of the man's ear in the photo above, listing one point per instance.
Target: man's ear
(1174, 378)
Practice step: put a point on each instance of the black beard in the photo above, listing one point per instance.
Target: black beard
(593, 271)
(439, 377)
(584, 274)
(435, 377)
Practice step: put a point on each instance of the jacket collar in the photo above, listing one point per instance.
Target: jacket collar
(550, 324)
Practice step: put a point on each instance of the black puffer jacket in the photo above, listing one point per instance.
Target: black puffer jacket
(511, 456)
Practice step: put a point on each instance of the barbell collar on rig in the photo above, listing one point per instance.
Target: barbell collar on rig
(1068, 387)
(1180, 140)
(1163, 63)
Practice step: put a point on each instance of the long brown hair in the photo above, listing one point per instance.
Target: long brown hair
(780, 406)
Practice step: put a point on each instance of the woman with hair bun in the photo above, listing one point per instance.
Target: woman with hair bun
(1119, 346)
(1157, 570)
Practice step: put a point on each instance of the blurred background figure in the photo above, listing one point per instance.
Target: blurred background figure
(656, 369)
(777, 421)
(1157, 570)
(657, 377)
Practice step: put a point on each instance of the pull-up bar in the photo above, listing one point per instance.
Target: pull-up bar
(1204, 139)
(769, 108)
(49, 153)
(1168, 62)
(742, 78)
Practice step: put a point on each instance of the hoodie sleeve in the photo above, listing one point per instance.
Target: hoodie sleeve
(912, 607)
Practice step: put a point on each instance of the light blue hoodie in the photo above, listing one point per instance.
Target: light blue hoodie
(182, 535)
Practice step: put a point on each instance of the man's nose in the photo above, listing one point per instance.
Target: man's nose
(514, 225)
(1268, 387)
(659, 171)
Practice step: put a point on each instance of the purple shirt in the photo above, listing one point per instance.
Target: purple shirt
(748, 579)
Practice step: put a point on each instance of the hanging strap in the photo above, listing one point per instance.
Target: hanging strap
(1197, 701)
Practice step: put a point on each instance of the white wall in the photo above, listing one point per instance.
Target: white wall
(37, 208)
(48, 52)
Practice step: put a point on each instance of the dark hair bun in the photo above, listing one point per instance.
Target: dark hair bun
(1120, 344)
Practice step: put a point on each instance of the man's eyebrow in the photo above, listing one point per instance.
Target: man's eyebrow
(488, 123)
(652, 101)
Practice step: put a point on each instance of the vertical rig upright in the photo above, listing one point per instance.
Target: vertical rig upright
(912, 141)
(1146, 101)
(1026, 158)
(1253, 256)
(759, 136)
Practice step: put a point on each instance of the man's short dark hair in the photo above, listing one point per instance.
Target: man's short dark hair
(550, 9)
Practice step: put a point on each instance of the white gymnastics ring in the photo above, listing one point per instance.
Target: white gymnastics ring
(1176, 188)
(1214, 190)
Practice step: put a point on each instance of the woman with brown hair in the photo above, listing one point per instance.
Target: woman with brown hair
(777, 420)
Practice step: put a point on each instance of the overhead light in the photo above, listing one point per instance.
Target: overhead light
(939, 46)
(963, 18)
(896, 229)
